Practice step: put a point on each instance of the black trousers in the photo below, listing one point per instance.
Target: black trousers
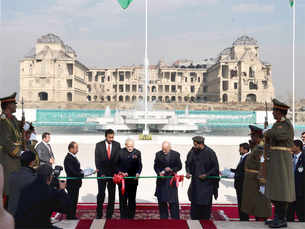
(101, 198)
(128, 200)
(242, 215)
(199, 212)
(73, 193)
(280, 209)
(173, 208)
(297, 208)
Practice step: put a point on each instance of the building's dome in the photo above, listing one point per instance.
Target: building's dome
(68, 49)
(50, 38)
(245, 40)
(227, 51)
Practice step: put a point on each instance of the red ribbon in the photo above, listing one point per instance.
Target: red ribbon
(119, 179)
(177, 178)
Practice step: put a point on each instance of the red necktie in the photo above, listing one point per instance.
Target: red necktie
(109, 151)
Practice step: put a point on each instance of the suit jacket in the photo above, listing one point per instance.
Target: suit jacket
(239, 174)
(130, 162)
(103, 164)
(36, 204)
(17, 181)
(299, 176)
(72, 168)
(165, 192)
(44, 153)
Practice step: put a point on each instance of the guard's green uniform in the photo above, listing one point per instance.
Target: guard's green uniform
(253, 201)
(10, 142)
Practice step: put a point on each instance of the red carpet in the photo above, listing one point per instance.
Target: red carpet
(207, 224)
(150, 211)
(147, 224)
(84, 224)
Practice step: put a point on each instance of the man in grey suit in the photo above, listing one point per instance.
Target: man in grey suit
(44, 150)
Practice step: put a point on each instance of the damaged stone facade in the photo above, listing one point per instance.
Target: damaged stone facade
(52, 73)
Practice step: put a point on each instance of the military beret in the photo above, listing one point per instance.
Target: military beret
(9, 99)
(198, 139)
(279, 105)
(255, 129)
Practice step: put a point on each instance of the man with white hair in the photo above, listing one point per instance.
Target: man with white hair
(167, 163)
(130, 164)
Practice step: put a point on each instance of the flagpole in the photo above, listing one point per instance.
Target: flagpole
(146, 130)
(293, 63)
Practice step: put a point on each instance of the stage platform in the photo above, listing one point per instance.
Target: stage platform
(165, 224)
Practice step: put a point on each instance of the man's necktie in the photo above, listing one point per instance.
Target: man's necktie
(109, 151)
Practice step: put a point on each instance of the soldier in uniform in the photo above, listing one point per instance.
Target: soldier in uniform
(11, 139)
(31, 142)
(280, 188)
(254, 202)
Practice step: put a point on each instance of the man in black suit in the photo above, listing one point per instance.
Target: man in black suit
(20, 179)
(38, 201)
(167, 163)
(72, 168)
(130, 165)
(298, 161)
(107, 164)
(239, 174)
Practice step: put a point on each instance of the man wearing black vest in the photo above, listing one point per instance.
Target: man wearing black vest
(107, 164)
(239, 174)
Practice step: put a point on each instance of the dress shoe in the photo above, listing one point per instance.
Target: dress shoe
(268, 221)
(279, 223)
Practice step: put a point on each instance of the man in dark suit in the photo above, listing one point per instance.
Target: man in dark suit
(20, 179)
(72, 168)
(239, 174)
(38, 201)
(167, 163)
(130, 164)
(45, 151)
(298, 207)
(107, 164)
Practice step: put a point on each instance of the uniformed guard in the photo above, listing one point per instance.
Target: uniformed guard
(280, 188)
(11, 139)
(31, 141)
(254, 202)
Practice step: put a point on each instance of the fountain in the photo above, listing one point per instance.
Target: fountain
(142, 120)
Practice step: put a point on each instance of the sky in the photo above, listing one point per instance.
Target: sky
(104, 35)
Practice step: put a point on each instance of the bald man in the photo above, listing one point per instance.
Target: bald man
(167, 163)
(130, 164)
